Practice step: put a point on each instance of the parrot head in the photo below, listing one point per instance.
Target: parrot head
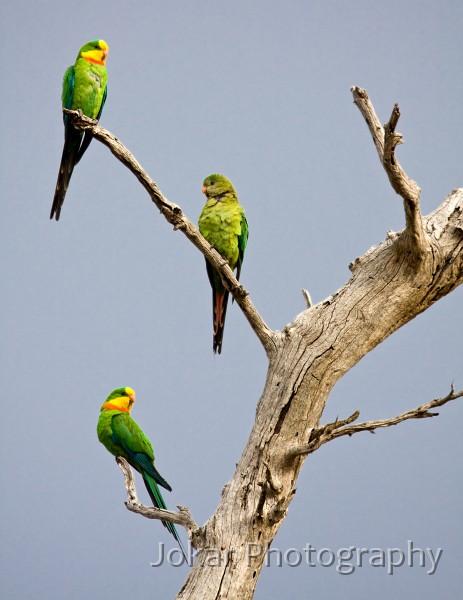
(95, 52)
(216, 185)
(121, 399)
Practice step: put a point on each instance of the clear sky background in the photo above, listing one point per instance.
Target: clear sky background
(110, 296)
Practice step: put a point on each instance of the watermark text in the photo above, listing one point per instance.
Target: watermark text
(345, 560)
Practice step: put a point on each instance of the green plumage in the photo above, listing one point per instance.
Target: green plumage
(121, 436)
(84, 88)
(223, 223)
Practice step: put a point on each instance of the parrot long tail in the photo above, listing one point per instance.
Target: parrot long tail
(158, 500)
(219, 310)
(69, 159)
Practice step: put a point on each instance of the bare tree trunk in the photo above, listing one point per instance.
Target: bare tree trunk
(390, 285)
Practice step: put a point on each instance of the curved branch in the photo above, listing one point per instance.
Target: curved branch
(175, 216)
(330, 431)
(386, 140)
(183, 517)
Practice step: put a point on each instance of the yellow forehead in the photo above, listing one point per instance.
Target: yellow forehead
(104, 46)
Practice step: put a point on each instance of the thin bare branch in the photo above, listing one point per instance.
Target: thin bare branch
(330, 431)
(307, 298)
(183, 517)
(386, 140)
(362, 101)
(175, 216)
(394, 119)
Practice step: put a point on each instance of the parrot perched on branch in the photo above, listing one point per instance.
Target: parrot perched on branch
(84, 87)
(223, 223)
(121, 436)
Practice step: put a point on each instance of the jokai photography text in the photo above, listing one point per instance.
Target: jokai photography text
(344, 560)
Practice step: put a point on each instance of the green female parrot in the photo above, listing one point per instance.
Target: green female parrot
(84, 87)
(223, 223)
(119, 433)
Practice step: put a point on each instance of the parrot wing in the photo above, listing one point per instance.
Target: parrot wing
(88, 136)
(128, 435)
(242, 241)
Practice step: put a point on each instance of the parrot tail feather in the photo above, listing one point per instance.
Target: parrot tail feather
(219, 310)
(69, 160)
(158, 501)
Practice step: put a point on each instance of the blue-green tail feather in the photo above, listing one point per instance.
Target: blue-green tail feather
(158, 500)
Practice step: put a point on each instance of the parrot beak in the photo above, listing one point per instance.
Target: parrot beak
(105, 53)
(203, 189)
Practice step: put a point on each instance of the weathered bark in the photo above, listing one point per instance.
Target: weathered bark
(390, 285)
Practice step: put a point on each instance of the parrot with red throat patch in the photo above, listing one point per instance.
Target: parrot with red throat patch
(121, 436)
(84, 88)
(223, 223)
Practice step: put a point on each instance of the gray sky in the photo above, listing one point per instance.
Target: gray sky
(110, 296)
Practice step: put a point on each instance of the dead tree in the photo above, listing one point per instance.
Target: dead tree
(390, 285)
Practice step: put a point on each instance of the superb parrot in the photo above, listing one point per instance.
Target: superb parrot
(223, 223)
(84, 87)
(119, 433)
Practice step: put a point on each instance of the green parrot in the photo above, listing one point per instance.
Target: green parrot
(121, 436)
(84, 87)
(223, 223)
